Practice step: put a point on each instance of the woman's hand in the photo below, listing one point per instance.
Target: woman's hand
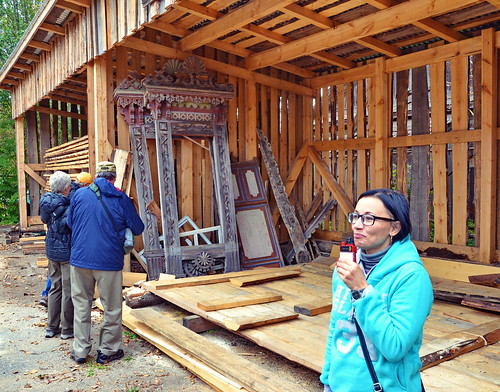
(352, 274)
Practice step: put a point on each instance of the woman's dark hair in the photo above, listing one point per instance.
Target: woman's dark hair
(397, 204)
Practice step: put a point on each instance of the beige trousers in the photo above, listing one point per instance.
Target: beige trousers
(109, 284)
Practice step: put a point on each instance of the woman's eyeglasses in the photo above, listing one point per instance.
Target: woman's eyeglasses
(366, 219)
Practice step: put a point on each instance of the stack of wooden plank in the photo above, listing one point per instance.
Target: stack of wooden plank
(257, 305)
(70, 155)
(32, 245)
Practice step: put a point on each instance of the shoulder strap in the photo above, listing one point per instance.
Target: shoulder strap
(376, 384)
(97, 192)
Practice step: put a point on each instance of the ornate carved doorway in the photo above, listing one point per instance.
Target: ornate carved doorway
(181, 100)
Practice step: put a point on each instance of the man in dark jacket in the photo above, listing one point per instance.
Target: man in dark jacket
(97, 257)
(53, 212)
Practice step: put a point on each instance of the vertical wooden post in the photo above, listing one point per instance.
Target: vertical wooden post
(459, 122)
(98, 111)
(121, 74)
(91, 114)
(21, 175)
(489, 147)
(251, 120)
(32, 157)
(439, 173)
(362, 175)
(382, 129)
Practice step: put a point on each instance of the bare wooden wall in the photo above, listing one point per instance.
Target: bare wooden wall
(423, 132)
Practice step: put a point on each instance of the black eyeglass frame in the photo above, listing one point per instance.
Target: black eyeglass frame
(351, 220)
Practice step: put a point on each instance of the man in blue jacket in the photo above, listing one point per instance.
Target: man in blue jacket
(98, 232)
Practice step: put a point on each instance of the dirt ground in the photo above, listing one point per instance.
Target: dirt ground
(30, 362)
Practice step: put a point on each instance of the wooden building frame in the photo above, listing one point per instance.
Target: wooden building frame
(352, 95)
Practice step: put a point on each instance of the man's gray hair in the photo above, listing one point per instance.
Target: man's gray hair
(110, 176)
(59, 181)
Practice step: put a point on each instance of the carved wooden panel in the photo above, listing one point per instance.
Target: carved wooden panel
(181, 99)
(258, 241)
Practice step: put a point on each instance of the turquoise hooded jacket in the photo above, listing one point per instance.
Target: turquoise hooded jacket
(391, 316)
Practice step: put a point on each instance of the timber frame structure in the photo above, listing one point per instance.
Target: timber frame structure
(351, 94)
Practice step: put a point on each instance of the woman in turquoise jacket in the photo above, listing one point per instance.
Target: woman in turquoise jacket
(389, 293)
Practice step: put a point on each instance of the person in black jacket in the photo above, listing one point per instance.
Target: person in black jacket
(53, 212)
(82, 179)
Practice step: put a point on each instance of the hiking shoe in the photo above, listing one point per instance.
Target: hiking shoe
(77, 359)
(103, 358)
(50, 333)
(65, 336)
(44, 301)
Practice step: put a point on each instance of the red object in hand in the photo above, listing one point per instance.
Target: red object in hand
(348, 250)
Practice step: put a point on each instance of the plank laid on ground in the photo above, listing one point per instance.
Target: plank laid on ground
(244, 372)
(491, 280)
(209, 279)
(240, 300)
(197, 324)
(42, 262)
(321, 305)
(250, 280)
(212, 377)
(457, 290)
(481, 304)
(460, 348)
(272, 317)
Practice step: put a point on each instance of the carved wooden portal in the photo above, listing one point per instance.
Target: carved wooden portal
(180, 100)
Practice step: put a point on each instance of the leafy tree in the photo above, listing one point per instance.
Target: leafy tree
(15, 17)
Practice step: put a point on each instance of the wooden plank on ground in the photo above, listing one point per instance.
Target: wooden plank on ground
(491, 280)
(42, 262)
(318, 306)
(262, 278)
(212, 377)
(249, 375)
(273, 316)
(240, 300)
(197, 323)
(209, 279)
(460, 347)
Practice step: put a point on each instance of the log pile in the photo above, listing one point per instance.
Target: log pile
(32, 245)
(70, 155)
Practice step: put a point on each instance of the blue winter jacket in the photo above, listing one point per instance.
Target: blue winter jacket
(391, 316)
(94, 242)
(53, 212)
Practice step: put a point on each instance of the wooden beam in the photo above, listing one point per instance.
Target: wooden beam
(208, 13)
(29, 56)
(161, 50)
(24, 67)
(70, 6)
(64, 98)
(382, 128)
(366, 26)
(324, 22)
(262, 278)
(53, 28)
(272, 316)
(28, 169)
(40, 45)
(332, 59)
(83, 3)
(21, 176)
(240, 17)
(239, 300)
(338, 193)
(56, 112)
(426, 24)
(17, 75)
(489, 145)
(253, 378)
